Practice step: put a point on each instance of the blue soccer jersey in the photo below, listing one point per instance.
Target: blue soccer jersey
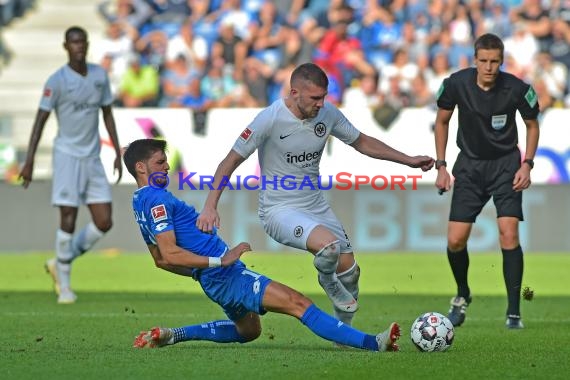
(235, 288)
(157, 210)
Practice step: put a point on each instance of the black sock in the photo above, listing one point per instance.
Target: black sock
(459, 262)
(513, 265)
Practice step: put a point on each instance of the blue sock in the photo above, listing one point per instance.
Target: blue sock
(215, 331)
(332, 329)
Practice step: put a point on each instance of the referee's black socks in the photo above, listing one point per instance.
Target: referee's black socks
(513, 266)
(459, 263)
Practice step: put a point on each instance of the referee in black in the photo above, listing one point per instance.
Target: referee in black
(488, 165)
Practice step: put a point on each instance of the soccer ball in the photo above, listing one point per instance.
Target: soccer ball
(432, 332)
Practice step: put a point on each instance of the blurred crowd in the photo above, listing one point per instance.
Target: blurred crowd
(9, 11)
(12, 9)
(387, 54)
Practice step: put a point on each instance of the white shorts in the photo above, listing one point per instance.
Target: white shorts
(78, 181)
(292, 227)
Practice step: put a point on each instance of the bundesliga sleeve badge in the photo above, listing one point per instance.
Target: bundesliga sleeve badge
(158, 213)
(245, 135)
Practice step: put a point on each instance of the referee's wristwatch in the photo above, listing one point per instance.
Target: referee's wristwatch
(439, 164)
(529, 162)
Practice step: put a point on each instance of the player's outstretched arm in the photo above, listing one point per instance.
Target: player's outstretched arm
(162, 264)
(109, 121)
(375, 148)
(174, 256)
(37, 130)
(209, 217)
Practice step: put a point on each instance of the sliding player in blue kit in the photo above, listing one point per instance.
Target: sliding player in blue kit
(168, 226)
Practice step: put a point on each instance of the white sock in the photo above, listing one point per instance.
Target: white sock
(349, 279)
(64, 257)
(85, 239)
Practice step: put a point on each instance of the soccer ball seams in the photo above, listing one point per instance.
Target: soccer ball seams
(432, 332)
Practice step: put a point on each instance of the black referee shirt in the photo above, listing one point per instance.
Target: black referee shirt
(487, 125)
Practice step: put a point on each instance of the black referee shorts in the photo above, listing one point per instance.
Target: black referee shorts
(476, 181)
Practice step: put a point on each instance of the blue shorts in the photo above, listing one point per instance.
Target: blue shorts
(236, 289)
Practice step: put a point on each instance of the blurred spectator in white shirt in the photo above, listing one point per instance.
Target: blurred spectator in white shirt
(364, 94)
(402, 69)
(193, 47)
(134, 12)
(522, 46)
(116, 45)
(554, 74)
(438, 71)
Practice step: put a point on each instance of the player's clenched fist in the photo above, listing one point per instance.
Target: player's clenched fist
(423, 162)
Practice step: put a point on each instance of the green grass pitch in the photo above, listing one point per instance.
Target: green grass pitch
(121, 294)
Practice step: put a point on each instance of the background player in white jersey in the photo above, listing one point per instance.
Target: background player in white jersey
(76, 92)
(290, 136)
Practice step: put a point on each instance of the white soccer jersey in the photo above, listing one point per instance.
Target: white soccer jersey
(290, 151)
(76, 100)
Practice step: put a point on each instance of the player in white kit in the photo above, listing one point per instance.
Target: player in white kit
(290, 136)
(76, 92)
